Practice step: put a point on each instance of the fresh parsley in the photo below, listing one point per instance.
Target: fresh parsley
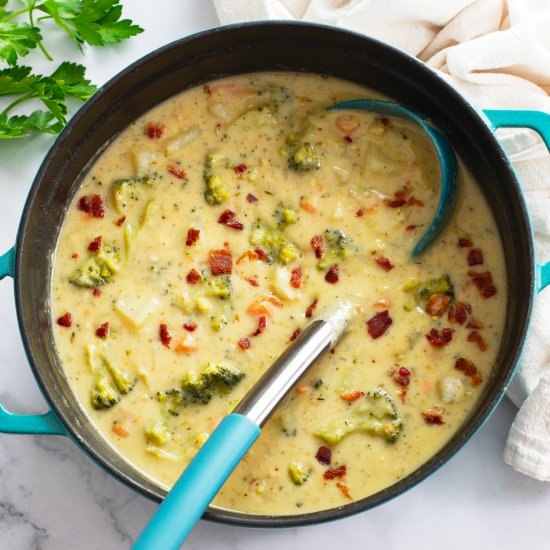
(93, 22)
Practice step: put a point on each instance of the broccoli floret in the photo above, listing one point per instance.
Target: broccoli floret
(220, 286)
(98, 269)
(157, 433)
(127, 189)
(443, 285)
(216, 192)
(222, 375)
(122, 379)
(273, 240)
(218, 321)
(195, 389)
(288, 253)
(378, 417)
(304, 158)
(337, 247)
(103, 394)
(172, 400)
(298, 473)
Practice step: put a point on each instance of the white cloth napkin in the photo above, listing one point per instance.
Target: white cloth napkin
(497, 53)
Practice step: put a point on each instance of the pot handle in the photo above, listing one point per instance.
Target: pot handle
(25, 423)
(540, 122)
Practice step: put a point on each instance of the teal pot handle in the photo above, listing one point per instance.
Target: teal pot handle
(25, 423)
(540, 122)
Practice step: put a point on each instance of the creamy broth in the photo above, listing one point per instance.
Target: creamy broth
(152, 216)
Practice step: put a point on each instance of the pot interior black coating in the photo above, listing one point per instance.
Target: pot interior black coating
(241, 49)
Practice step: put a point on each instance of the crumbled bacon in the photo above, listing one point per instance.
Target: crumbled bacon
(251, 198)
(75, 255)
(474, 322)
(433, 416)
(360, 213)
(193, 277)
(395, 203)
(384, 263)
(120, 221)
(379, 324)
(96, 292)
(348, 139)
(154, 130)
(244, 343)
(297, 277)
(318, 245)
(262, 323)
(459, 312)
(324, 455)
(476, 337)
(484, 283)
(437, 304)
(333, 274)
(311, 308)
(252, 281)
(385, 121)
(66, 320)
(410, 228)
(180, 173)
(190, 326)
(95, 245)
(262, 254)
(339, 471)
(221, 262)
(352, 395)
(228, 218)
(164, 335)
(465, 243)
(192, 236)
(92, 205)
(414, 201)
(240, 168)
(470, 370)
(401, 376)
(295, 335)
(475, 256)
(439, 339)
(103, 330)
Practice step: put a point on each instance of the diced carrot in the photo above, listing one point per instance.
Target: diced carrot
(426, 387)
(320, 185)
(261, 306)
(351, 395)
(346, 124)
(249, 255)
(308, 204)
(121, 428)
(344, 487)
(384, 303)
(186, 344)
(303, 389)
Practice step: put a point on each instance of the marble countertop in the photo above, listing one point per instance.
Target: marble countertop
(53, 497)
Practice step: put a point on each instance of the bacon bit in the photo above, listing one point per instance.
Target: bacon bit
(262, 254)
(262, 323)
(410, 228)
(344, 487)
(348, 139)
(66, 320)
(308, 204)
(475, 256)
(120, 221)
(252, 281)
(190, 326)
(395, 203)
(251, 198)
(437, 304)
(240, 168)
(244, 343)
(385, 121)
(92, 205)
(234, 224)
(414, 201)
(295, 335)
(228, 218)
(95, 245)
(164, 335)
(221, 262)
(193, 277)
(384, 263)
(476, 337)
(333, 274)
(175, 170)
(324, 455)
(360, 213)
(459, 312)
(440, 339)
(470, 370)
(352, 395)
(121, 428)
(192, 236)
(297, 277)
(346, 124)
(103, 330)
(96, 292)
(484, 283)
(433, 416)
(465, 243)
(474, 322)
(401, 376)
(339, 471)
(206, 89)
(318, 245)
(186, 344)
(311, 308)
(75, 255)
(154, 130)
(379, 324)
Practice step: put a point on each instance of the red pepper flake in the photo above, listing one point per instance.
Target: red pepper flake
(262, 323)
(295, 335)
(459, 312)
(66, 320)
(474, 322)
(96, 292)
(470, 370)
(339, 471)
(190, 326)
(193, 277)
(465, 243)
(252, 281)
(154, 130)
(440, 339)
(92, 205)
(484, 283)
(410, 228)
(475, 256)
(311, 308)
(165, 335)
(297, 277)
(476, 337)
(401, 376)
(318, 245)
(437, 304)
(379, 324)
(348, 139)
(333, 274)
(433, 416)
(360, 213)
(262, 254)
(192, 236)
(102, 331)
(240, 168)
(180, 173)
(244, 343)
(352, 395)
(324, 455)
(120, 221)
(414, 201)
(95, 245)
(344, 487)
(221, 262)
(251, 198)
(384, 263)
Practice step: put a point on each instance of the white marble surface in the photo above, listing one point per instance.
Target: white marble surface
(53, 497)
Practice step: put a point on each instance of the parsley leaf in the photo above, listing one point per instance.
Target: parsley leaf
(16, 39)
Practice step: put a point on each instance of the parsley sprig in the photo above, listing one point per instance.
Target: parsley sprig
(93, 22)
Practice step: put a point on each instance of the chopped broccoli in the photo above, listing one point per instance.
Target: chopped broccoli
(127, 189)
(288, 253)
(220, 286)
(274, 241)
(443, 285)
(337, 247)
(122, 379)
(103, 394)
(98, 269)
(298, 473)
(157, 433)
(172, 400)
(218, 321)
(378, 417)
(304, 158)
(216, 192)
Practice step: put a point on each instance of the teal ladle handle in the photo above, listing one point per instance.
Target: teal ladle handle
(25, 423)
(199, 483)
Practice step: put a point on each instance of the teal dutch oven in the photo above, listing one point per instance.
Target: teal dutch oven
(235, 50)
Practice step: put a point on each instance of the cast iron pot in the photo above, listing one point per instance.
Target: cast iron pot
(241, 49)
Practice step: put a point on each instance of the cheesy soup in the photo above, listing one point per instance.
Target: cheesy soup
(207, 234)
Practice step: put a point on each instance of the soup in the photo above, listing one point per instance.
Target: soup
(210, 231)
